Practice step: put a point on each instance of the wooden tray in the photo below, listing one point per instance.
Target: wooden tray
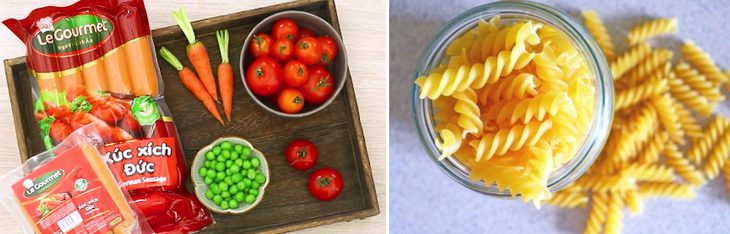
(287, 205)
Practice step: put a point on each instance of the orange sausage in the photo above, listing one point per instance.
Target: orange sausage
(117, 72)
(142, 67)
(94, 81)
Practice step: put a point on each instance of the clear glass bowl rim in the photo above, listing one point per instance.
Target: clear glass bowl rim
(603, 106)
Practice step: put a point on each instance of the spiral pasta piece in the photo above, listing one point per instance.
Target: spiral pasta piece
(682, 166)
(628, 60)
(650, 153)
(656, 60)
(651, 29)
(606, 183)
(468, 111)
(688, 122)
(450, 141)
(595, 26)
(502, 64)
(702, 146)
(666, 189)
(548, 70)
(597, 215)
(450, 81)
(568, 199)
(642, 124)
(717, 156)
(668, 117)
(636, 94)
(689, 96)
(511, 87)
(525, 110)
(649, 172)
(698, 82)
(514, 138)
(615, 213)
(703, 62)
(634, 202)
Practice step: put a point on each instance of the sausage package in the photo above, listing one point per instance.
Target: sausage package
(70, 189)
(93, 62)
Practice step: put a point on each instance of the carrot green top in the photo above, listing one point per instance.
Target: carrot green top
(223, 39)
(170, 58)
(182, 20)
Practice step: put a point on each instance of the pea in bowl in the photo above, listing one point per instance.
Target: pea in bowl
(230, 176)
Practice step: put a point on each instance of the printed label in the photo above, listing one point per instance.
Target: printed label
(66, 195)
(71, 35)
(144, 163)
(145, 110)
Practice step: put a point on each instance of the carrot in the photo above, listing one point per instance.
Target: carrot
(225, 73)
(197, 55)
(192, 83)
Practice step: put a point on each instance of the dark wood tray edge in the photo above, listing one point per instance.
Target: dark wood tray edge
(14, 105)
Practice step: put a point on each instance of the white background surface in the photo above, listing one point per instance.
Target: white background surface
(423, 199)
(363, 25)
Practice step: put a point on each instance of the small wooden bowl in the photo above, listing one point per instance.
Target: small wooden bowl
(201, 187)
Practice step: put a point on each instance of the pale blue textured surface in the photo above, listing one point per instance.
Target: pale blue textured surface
(424, 200)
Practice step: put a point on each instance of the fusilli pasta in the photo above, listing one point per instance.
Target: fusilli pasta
(595, 26)
(702, 146)
(513, 138)
(668, 117)
(636, 94)
(651, 29)
(568, 199)
(688, 96)
(468, 111)
(703, 62)
(655, 61)
(666, 189)
(628, 60)
(597, 215)
(717, 156)
(634, 202)
(698, 82)
(682, 166)
(615, 213)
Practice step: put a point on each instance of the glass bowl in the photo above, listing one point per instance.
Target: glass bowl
(597, 132)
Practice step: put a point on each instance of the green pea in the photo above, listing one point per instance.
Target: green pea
(235, 155)
(210, 173)
(238, 148)
(224, 205)
(233, 189)
(236, 178)
(254, 185)
(209, 194)
(202, 171)
(208, 180)
(226, 154)
(228, 172)
(260, 179)
(214, 188)
(250, 199)
(220, 158)
(239, 197)
(246, 151)
(206, 163)
(217, 199)
(254, 192)
(229, 163)
(225, 194)
(228, 180)
(247, 182)
(235, 168)
(233, 204)
(241, 186)
(246, 164)
(226, 145)
(220, 176)
(251, 174)
(220, 166)
(238, 162)
(209, 155)
(223, 186)
(255, 162)
(217, 150)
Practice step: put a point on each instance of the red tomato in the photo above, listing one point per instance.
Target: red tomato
(290, 101)
(296, 74)
(285, 28)
(282, 49)
(329, 50)
(305, 32)
(301, 154)
(264, 76)
(308, 50)
(325, 184)
(260, 45)
(319, 86)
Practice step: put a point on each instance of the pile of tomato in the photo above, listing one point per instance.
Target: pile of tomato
(290, 65)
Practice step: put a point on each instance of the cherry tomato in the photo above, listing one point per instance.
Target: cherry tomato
(285, 28)
(296, 74)
(301, 154)
(308, 50)
(290, 101)
(260, 45)
(319, 86)
(305, 32)
(325, 184)
(329, 50)
(282, 49)
(264, 76)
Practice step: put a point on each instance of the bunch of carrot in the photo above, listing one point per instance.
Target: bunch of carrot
(203, 85)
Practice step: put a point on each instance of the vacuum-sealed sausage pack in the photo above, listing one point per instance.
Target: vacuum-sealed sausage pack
(93, 62)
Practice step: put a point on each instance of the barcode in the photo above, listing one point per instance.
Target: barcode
(69, 222)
